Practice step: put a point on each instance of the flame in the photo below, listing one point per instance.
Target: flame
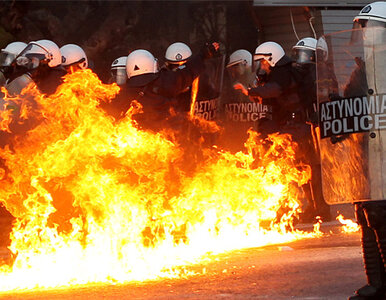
(317, 225)
(98, 200)
(193, 96)
(349, 226)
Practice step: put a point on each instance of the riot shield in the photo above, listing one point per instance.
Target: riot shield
(206, 100)
(237, 112)
(352, 114)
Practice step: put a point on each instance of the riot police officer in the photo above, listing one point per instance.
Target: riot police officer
(7, 57)
(371, 215)
(176, 57)
(303, 55)
(156, 89)
(278, 87)
(273, 67)
(118, 71)
(40, 63)
(237, 112)
(304, 71)
(120, 104)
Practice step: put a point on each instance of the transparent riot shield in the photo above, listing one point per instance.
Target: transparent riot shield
(352, 114)
(205, 102)
(237, 112)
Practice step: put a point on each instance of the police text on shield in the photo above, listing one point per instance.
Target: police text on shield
(350, 115)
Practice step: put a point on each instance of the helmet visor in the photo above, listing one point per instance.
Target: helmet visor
(236, 70)
(6, 58)
(364, 23)
(364, 29)
(175, 64)
(261, 66)
(303, 56)
(29, 61)
(36, 51)
(119, 75)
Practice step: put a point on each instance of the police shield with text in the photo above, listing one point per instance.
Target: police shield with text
(237, 112)
(206, 103)
(352, 115)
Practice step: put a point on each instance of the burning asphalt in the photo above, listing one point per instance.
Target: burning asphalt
(326, 268)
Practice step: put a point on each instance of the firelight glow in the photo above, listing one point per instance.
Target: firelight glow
(97, 200)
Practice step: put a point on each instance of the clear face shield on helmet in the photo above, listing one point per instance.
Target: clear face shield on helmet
(261, 68)
(75, 66)
(6, 58)
(175, 65)
(303, 56)
(359, 30)
(119, 75)
(237, 70)
(32, 56)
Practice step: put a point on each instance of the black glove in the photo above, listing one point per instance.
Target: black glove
(210, 50)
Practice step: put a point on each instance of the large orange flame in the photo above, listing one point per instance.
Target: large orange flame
(98, 200)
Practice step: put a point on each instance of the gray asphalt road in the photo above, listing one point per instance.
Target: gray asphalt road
(327, 268)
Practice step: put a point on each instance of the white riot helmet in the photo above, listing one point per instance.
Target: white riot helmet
(118, 70)
(73, 55)
(373, 14)
(270, 51)
(9, 53)
(304, 50)
(141, 62)
(177, 54)
(40, 51)
(240, 56)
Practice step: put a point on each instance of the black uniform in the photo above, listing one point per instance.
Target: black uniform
(158, 94)
(289, 116)
(47, 80)
(279, 90)
(305, 76)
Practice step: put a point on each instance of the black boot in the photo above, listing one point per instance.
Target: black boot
(373, 263)
(368, 292)
(381, 238)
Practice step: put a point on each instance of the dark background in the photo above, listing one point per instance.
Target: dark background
(107, 30)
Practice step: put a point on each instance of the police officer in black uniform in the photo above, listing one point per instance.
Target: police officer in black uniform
(304, 71)
(176, 57)
(40, 63)
(278, 88)
(237, 112)
(7, 57)
(157, 90)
